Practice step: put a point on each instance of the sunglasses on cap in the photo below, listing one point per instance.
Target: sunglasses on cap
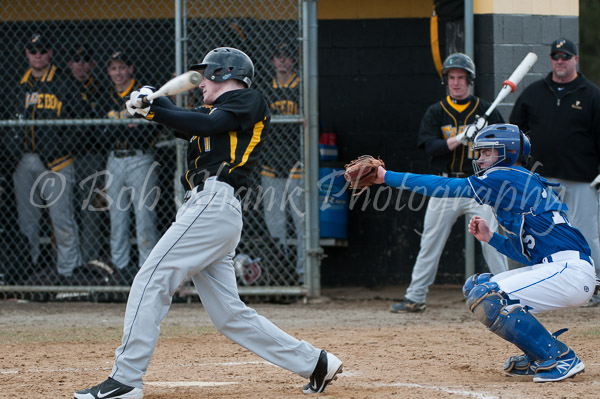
(562, 56)
(34, 51)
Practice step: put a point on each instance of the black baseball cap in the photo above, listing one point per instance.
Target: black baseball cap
(283, 49)
(38, 42)
(81, 52)
(120, 55)
(564, 45)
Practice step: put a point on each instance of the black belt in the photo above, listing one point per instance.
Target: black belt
(200, 187)
(127, 153)
(455, 174)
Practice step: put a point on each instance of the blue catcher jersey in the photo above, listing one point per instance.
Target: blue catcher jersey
(531, 213)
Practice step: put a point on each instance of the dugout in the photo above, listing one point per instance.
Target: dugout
(376, 76)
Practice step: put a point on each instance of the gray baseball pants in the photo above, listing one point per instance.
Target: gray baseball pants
(37, 188)
(286, 194)
(131, 183)
(582, 201)
(440, 216)
(201, 244)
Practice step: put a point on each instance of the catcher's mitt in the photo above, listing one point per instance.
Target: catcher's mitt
(361, 172)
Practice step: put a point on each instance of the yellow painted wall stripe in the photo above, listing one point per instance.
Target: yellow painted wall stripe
(373, 9)
(55, 10)
(435, 44)
(527, 7)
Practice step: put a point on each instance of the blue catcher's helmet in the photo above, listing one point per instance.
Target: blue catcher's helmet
(225, 63)
(512, 144)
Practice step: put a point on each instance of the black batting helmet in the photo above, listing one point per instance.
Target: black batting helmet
(460, 61)
(225, 63)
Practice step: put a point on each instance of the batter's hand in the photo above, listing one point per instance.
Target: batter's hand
(136, 106)
(466, 135)
(480, 229)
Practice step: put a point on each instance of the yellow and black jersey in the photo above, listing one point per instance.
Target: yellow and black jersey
(92, 94)
(95, 97)
(285, 96)
(282, 150)
(232, 155)
(446, 119)
(53, 95)
(126, 137)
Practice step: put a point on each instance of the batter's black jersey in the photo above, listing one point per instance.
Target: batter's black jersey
(282, 148)
(231, 156)
(446, 119)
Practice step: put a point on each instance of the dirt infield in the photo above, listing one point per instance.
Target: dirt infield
(52, 349)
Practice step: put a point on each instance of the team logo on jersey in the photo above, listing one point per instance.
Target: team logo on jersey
(577, 105)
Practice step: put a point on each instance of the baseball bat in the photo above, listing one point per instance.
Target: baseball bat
(184, 82)
(510, 85)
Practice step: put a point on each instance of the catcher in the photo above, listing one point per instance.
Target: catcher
(560, 273)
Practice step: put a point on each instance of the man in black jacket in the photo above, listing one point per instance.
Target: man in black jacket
(561, 112)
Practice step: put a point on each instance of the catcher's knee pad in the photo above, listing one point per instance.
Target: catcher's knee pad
(486, 301)
(477, 278)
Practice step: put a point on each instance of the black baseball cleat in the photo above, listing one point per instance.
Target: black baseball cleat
(326, 371)
(110, 389)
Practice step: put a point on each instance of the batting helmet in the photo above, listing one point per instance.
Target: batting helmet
(512, 144)
(225, 63)
(460, 61)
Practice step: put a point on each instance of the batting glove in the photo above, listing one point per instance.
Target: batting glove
(467, 135)
(136, 106)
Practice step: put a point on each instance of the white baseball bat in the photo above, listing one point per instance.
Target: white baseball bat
(184, 82)
(509, 85)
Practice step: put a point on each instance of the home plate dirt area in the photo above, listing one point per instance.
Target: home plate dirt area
(52, 349)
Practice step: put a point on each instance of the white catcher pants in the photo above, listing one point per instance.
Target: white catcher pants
(440, 216)
(201, 244)
(565, 282)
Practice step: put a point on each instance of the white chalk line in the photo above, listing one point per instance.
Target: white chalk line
(479, 395)
(200, 384)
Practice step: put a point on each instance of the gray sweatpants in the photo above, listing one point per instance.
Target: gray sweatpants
(201, 244)
(582, 201)
(440, 216)
(37, 188)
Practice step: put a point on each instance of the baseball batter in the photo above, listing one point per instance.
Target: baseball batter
(560, 271)
(224, 142)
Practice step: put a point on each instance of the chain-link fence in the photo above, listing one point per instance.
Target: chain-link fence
(85, 192)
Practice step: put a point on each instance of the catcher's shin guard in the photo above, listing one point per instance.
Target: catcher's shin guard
(517, 326)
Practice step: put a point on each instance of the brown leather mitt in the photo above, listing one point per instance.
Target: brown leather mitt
(361, 172)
